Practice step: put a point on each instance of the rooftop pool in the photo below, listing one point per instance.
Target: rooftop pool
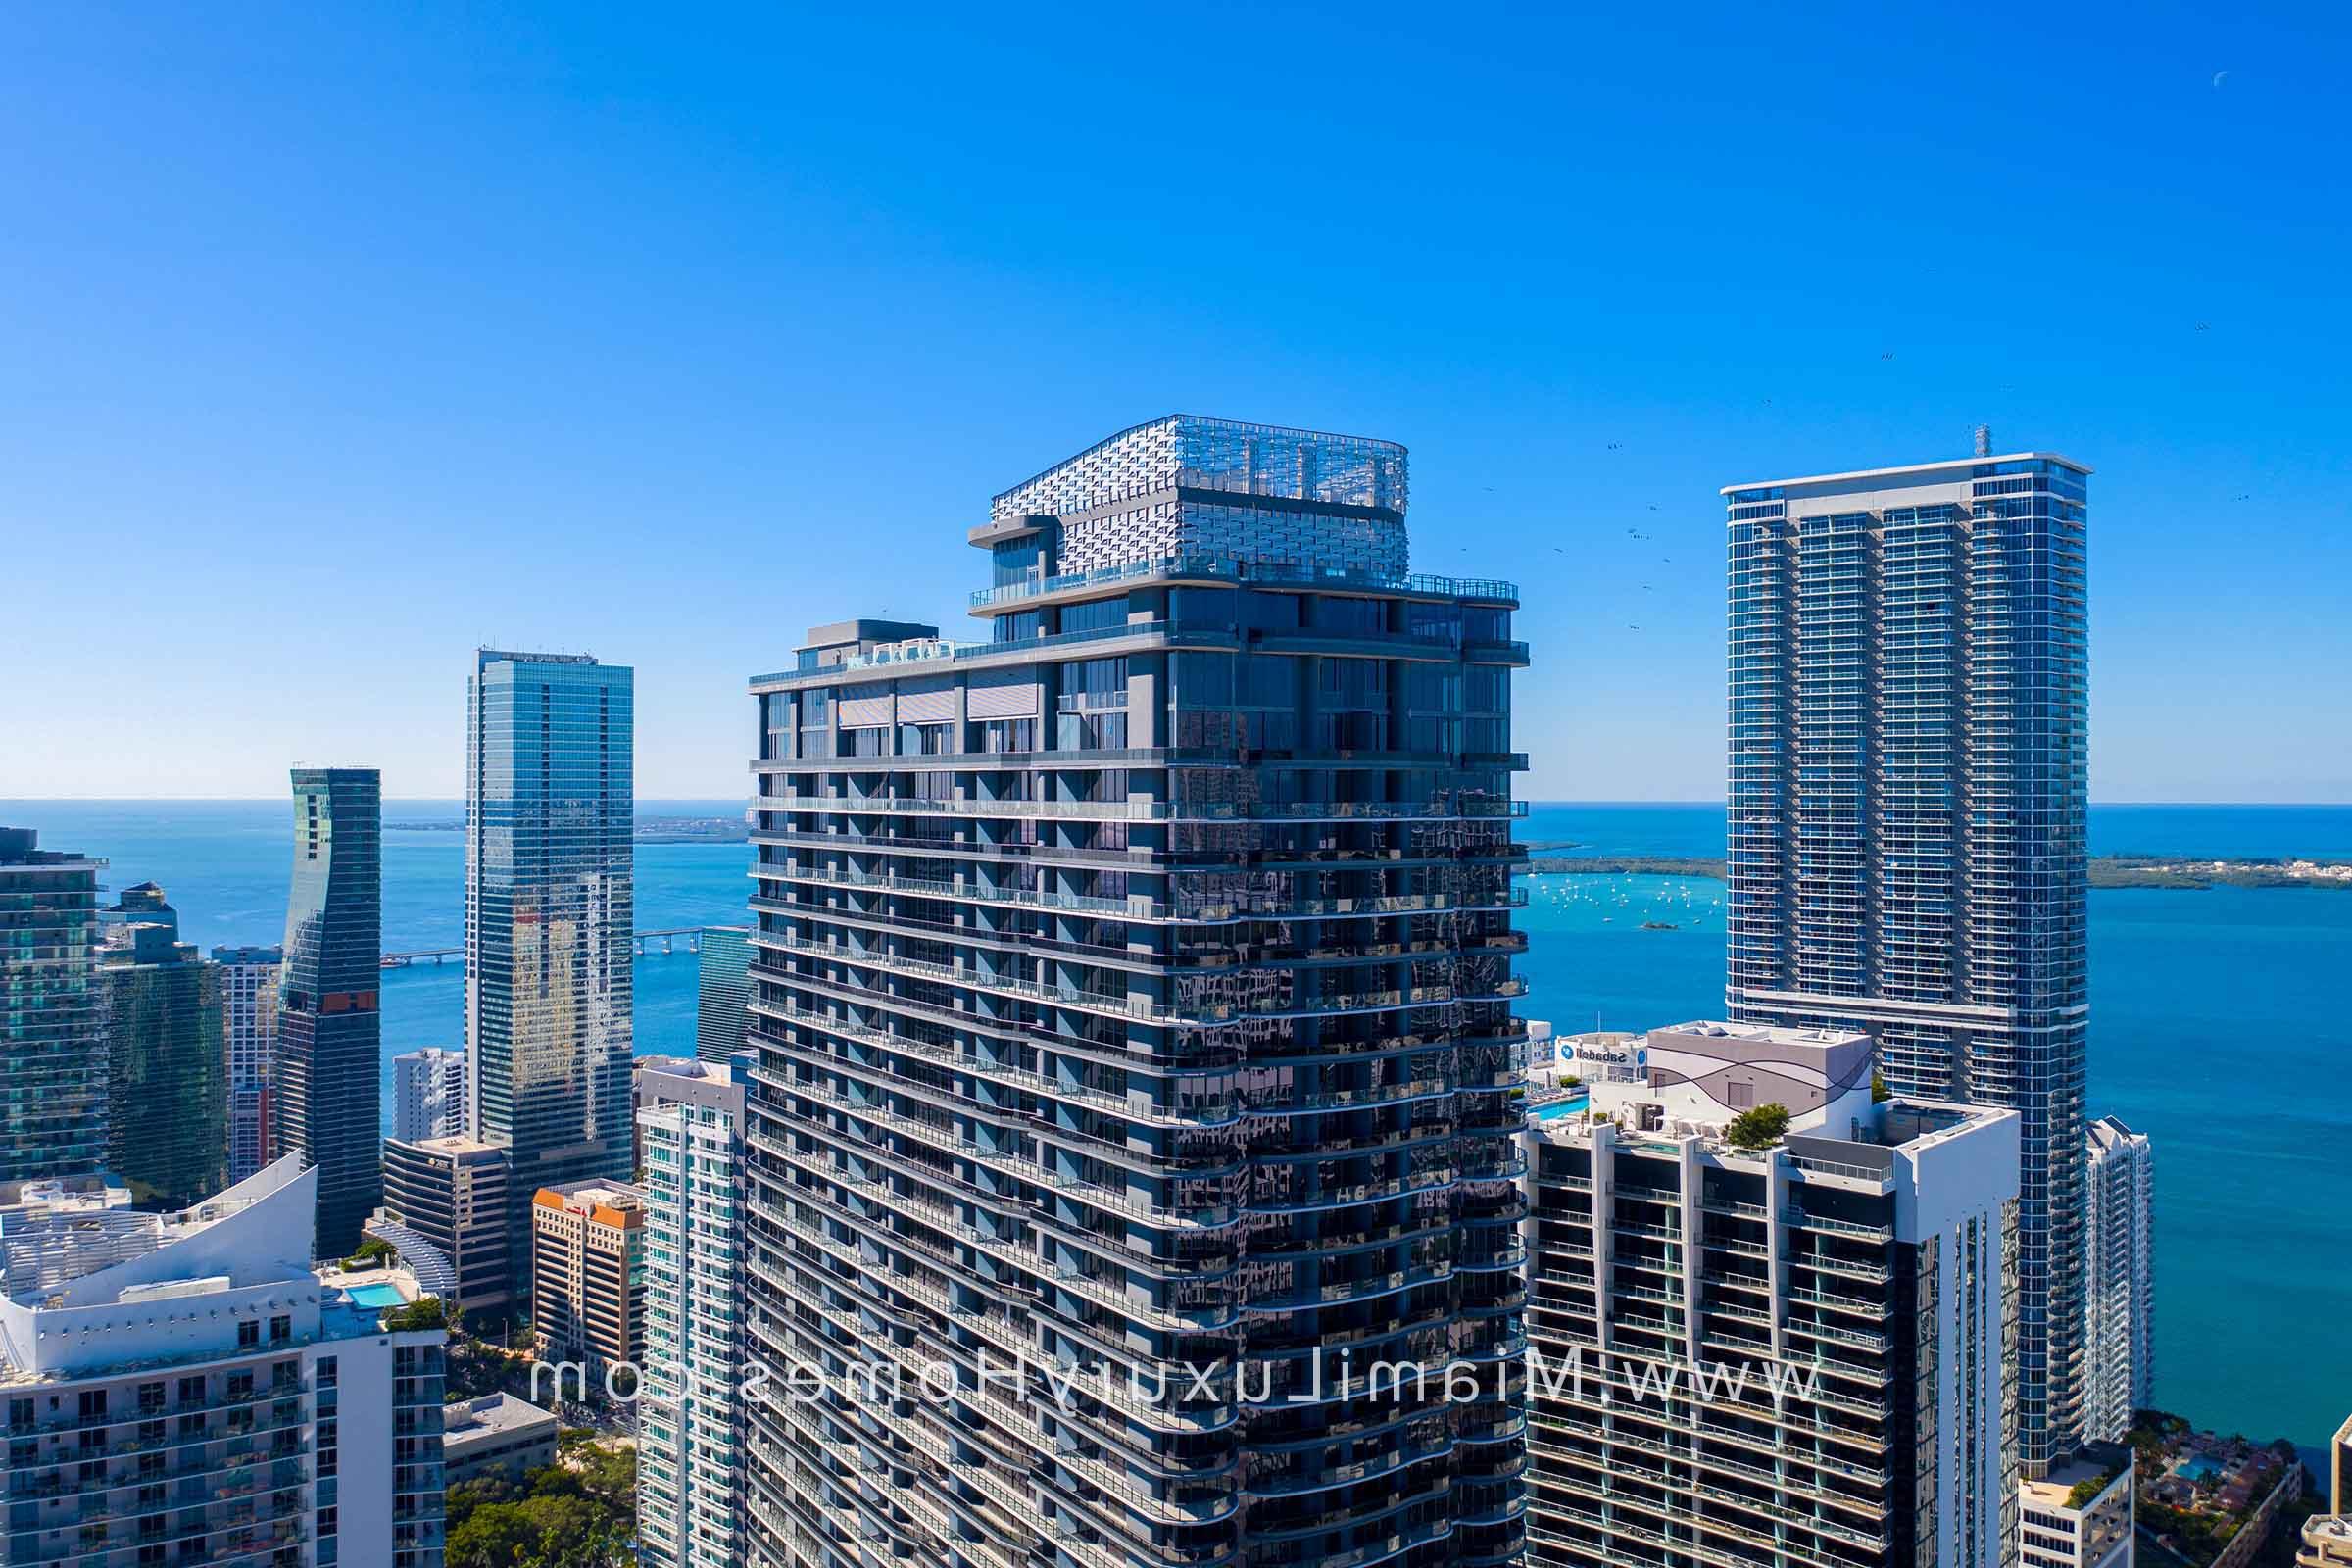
(1559, 1107)
(376, 1295)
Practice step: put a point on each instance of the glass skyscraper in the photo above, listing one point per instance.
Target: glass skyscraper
(724, 987)
(549, 917)
(328, 1096)
(166, 1120)
(53, 1068)
(1135, 1062)
(1906, 817)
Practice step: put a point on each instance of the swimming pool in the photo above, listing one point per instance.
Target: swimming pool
(2199, 1468)
(376, 1295)
(1560, 1107)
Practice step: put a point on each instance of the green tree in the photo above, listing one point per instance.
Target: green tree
(425, 1312)
(1760, 1128)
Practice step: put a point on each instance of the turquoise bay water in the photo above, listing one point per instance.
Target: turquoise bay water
(2217, 1024)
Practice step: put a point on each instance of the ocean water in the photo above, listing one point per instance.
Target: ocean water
(2218, 1024)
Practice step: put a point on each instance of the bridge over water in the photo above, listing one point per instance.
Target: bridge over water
(688, 937)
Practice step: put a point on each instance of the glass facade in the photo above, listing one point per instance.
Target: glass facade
(1137, 1065)
(329, 1095)
(53, 1070)
(166, 1120)
(724, 991)
(1907, 723)
(550, 916)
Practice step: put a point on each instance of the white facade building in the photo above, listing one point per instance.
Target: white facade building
(2082, 1515)
(428, 1094)
(249, 1021)
(690, 1120)
(184, 1388)
(2119, 1192)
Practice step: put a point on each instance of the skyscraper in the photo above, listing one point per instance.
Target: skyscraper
(1136, 1060)
(1907, 818)
(722, 1014)
(690, 1483)
(53, 1063)
(249, 1018)
(549, 917)
(166, 1120)
(140, 904)
(2120, 1188)
(328, 1091)
(428, 1094)
(1779, 1346)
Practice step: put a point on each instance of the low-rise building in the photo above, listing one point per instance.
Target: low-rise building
(184, 1388)
(1767, 1314)
(2080, 1516)
(496, 1435)
(588, 1271)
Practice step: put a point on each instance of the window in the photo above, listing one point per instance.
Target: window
(1006, 735)
(1094, 614)
(281, 1329)
(249, 1335)
(1094, 683)
(1015, 628)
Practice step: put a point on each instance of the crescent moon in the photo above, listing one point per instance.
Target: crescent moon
(2218, 75)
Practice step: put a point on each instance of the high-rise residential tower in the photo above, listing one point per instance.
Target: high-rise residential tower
(723, 1015)
(2118, 1273)
(1751, 1343)
(166, 1120)
(428, 1094)
(53, 1059)
(549, 917)
(249, 1022)
(1135, 1053)
(1907, 818)
(185, 1389)
(329, 1090)
(690, 1480)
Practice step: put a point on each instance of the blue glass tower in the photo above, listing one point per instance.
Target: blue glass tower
(1907, 818)
(329, 1095)
(53, 1053)
(549, 917)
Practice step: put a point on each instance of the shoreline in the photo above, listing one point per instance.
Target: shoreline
(2179, 872)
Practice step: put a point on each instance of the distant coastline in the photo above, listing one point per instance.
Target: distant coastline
(650, 829)
(2181, 871)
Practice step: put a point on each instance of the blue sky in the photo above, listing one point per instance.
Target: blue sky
(337, 340)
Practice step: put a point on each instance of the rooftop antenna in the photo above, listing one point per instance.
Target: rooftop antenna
(1984, 440)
